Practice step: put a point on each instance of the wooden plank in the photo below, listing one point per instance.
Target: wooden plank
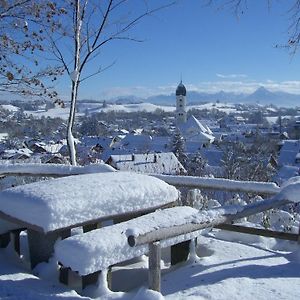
(127, 215)
(90, 227)
(176, 230)
(154, 266)
(259, 231)
(258, 188)
(22, 224)
(64, 275)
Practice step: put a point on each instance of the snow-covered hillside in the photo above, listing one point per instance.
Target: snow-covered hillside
(90, 108)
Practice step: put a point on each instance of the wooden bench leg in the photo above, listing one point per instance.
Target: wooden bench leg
(15, 238)
(41, 246)
(180, 252)
(93, 279)
(90, 279)
(64, 275)
(154, 266)
(109, 278)
(90, 227)
(4, 239)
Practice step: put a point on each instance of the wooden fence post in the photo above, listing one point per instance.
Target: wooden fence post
(154, 266)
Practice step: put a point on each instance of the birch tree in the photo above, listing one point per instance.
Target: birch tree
(84, 32)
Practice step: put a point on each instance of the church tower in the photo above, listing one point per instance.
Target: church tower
(180, 104)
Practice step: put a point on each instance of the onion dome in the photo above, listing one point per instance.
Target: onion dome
(181, 90)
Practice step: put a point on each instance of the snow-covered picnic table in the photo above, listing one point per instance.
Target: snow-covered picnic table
(50, 209)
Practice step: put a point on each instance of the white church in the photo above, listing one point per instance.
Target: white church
(195, 133)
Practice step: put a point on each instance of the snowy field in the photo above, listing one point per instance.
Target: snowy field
(63, 113)
(228, 266)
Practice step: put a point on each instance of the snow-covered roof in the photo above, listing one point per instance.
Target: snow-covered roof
(200, 137)
(286, 172)
(159, 163)
(155, 144)
(192, 124)
(135, 141)
(288, 152)
(194, 130)
(91, 141)
(3, 136)
(16, 153)
(64, 202)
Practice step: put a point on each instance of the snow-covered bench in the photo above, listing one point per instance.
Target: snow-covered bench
(50, 209)
(90, 253)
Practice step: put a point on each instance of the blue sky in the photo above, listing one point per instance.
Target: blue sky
(212, 49)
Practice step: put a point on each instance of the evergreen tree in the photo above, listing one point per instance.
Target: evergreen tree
(178, 148)
(196, 165)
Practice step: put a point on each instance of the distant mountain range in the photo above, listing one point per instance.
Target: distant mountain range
(260, 96)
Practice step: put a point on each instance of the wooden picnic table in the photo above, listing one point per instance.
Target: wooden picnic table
(50, 209)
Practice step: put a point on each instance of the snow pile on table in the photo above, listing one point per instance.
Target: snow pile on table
(52, 169)
(59, 203)
(92, 251)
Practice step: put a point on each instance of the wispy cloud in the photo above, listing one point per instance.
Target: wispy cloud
(231, 76)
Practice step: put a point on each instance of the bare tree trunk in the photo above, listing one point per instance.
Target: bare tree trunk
(75, 84)
(70, 137)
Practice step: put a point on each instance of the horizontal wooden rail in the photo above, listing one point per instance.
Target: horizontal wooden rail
(50, 170)
(219, 217)
(56, 170)
(259, 231)
(226, 215)
(263, 188)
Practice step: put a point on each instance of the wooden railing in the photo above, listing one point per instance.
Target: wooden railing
(206, 220)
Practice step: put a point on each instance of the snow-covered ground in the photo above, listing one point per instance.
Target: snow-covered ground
(10, 107)
(228, 266)
(57, 112)
(63, 113)
(224, 265)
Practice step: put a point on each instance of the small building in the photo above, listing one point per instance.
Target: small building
(289, 154)
(16, 154)
(150, 163)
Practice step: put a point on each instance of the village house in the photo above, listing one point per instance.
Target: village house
(150, 163)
